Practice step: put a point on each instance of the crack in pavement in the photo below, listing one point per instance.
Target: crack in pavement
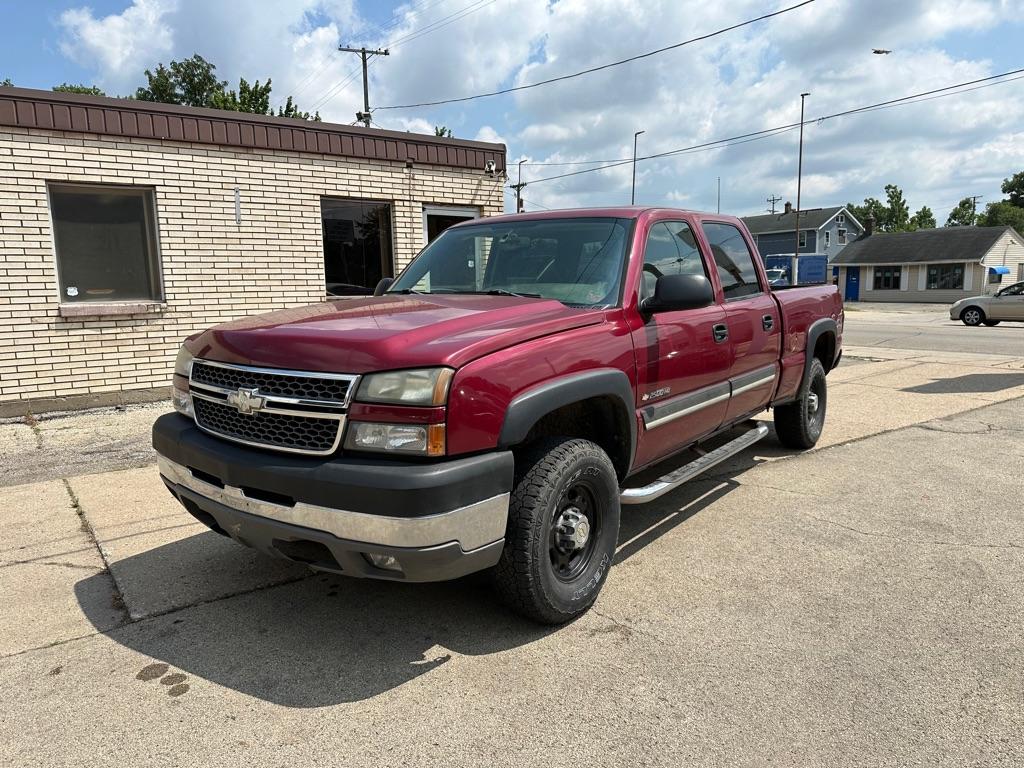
(116, 596)
(38, 561)
(901, 540)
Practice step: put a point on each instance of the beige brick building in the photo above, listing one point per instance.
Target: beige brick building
(126, 226)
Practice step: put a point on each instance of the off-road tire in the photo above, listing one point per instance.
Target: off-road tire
(799, 424)
(548, 475)
(972, 316)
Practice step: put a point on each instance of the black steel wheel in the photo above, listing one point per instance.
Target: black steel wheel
(563, 524)
(799, 424)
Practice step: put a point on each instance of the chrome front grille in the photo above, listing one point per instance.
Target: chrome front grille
(293, 411)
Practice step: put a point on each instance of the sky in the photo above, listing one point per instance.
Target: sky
(745, 80)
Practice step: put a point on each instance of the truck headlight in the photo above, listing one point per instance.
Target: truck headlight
(181, 398)
(183, 362)
(415, 439)
(424, 386)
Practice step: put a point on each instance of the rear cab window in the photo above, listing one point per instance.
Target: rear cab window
(733, 260)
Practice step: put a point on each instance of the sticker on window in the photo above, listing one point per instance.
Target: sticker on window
(72, 290)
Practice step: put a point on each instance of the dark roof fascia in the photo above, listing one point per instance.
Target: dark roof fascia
(104, 116)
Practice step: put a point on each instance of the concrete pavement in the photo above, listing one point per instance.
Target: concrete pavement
(858, 604)
(927, 328)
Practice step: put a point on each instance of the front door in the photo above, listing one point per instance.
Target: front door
(1008, 305)
(682, 359)
(852, 284)
(751, 317)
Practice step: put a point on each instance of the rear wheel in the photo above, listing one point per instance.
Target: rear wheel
(563, 524)
(991, 323)
(799, 424)
(972, 316)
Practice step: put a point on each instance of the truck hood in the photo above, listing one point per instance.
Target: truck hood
(387, 332)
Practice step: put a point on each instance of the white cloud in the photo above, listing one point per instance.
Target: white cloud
(120, 45)
(742, 81)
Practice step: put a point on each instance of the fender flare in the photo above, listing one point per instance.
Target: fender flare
(815, 332)
(529, 407)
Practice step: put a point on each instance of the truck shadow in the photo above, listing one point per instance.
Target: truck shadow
(318, 641)
(321, 640)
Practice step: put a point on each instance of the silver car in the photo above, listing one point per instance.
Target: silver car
(1007, 304)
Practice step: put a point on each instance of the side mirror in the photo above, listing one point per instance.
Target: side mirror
(676, 292)
(383, 285)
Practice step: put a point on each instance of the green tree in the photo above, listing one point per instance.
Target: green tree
(923, 219)
(1002, 214)
(89, 90)
(290, 109)
(6, 82)
(963, 215)
(872, 207)
(897, 212)
(193, 82)
(1014, 187)
(443, 131)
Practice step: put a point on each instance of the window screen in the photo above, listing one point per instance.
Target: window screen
(887, 278)
(945, 277)
(733, 259)
(105, 240)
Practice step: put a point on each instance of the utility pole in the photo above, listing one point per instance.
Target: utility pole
(364, 54)
(632, 197)
(518, 187)
(974, 205)
(773, 200)
(800, 173)
(719, 194)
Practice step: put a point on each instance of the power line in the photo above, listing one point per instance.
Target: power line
(602, 66)
(535, 205)
(949, 90)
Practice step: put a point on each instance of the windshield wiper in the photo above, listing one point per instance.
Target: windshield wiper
(407, 291)
(503, 292)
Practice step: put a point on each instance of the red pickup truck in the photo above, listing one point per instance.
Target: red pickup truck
(487, 408)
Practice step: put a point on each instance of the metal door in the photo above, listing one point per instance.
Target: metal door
(852, 284)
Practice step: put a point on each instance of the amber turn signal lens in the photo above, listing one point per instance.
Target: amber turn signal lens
(435, 440)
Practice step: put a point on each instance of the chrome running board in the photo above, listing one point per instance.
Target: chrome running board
(677, 477)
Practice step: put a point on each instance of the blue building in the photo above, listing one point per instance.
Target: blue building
(822, 230)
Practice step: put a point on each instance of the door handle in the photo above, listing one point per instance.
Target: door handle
(720, 332)
(767, 322)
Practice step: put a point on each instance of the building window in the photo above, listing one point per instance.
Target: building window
(841, 233)
(357, 245)
(105, 241)
(945, 277)
(841, 219)
(733, 259)
(437, 218)
(888, 278)
(828, 238)
(803, 238)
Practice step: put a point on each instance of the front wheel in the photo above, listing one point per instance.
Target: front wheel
(563, 524)
(992, 323)
(972, 316)
(799, 424)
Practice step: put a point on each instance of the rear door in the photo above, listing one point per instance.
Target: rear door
(752, 318)
(682, 370)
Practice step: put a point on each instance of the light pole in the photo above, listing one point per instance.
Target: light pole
(800, 173)
(719, 195)
(632, 197)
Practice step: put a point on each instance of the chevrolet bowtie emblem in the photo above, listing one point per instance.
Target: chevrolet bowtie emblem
(246, 400)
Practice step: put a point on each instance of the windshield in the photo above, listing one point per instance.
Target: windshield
(579, 262)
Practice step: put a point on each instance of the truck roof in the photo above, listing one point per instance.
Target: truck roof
(619, 212)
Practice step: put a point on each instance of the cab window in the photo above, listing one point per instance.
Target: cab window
(671, 250)
(733, 259)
